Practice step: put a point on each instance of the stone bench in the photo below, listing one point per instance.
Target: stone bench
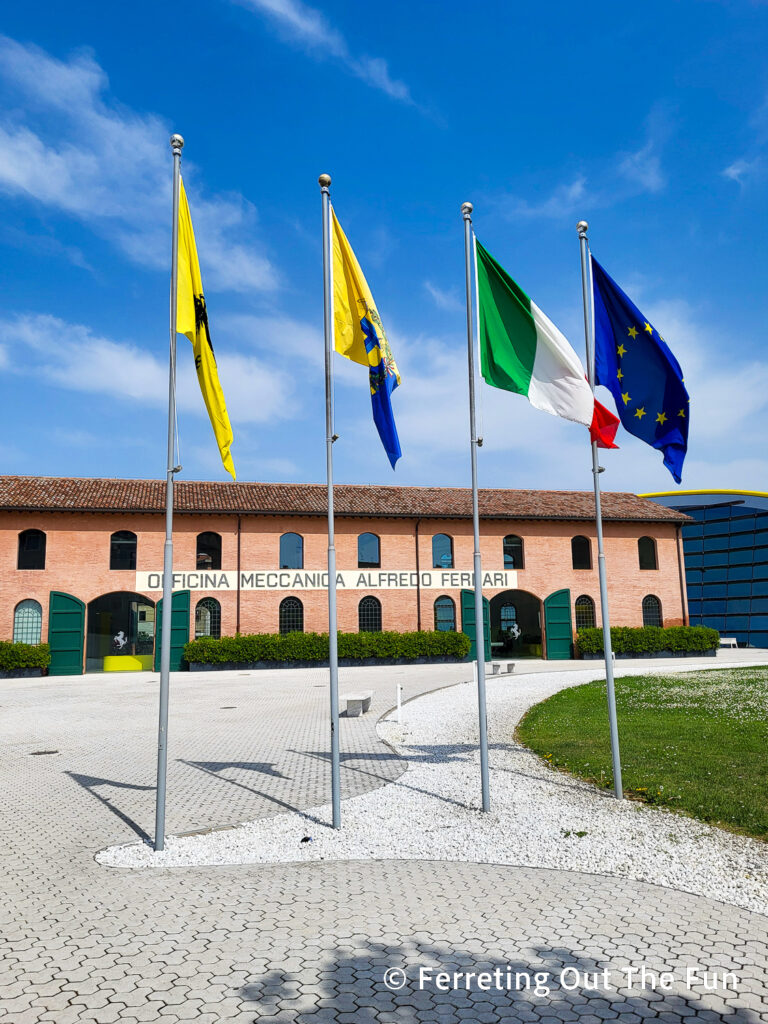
(500, 667)
(357, 703)
(728, 641)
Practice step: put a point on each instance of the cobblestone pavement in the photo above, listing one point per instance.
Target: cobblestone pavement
(300, 943)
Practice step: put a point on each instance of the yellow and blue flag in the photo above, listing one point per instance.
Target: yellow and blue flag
(192, 321)
(634, 362)
(359, 335)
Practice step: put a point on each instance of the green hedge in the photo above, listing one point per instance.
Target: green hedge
(13, 656)
(646, 639)
(255, 647)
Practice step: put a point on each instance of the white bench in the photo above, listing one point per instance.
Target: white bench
(728, 641)
(357, 703)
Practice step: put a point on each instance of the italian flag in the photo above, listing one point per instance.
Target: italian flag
(522, 351)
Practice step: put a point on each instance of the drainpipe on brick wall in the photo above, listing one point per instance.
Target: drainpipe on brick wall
(683, 595)
(237, 617)
(418, 577)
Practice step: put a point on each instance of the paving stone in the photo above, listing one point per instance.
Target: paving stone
(295, 944)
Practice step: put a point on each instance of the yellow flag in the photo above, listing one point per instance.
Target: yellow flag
(192, 320)
(359, 335)
(353, 304)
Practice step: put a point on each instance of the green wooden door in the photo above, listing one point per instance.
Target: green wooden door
(557, 618)
(179, 629)
(66, 633)
(468, 623)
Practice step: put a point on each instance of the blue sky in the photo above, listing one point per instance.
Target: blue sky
(648, 120)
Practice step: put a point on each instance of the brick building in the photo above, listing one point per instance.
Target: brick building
(81, 562)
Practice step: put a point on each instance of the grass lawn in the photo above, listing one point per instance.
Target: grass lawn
(695, 741)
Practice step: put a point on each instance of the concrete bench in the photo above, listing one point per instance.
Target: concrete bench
(357, 703)
(728, 641)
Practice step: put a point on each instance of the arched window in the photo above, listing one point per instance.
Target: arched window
(585, 612)
(291, 551)
(31, 550)
(581, 553)
(445, 614)
(291, 615)
(513, 552)
(442, 551)
(369, 615)
(646, 551)
(207, 618)
(208, 551)
(507, 617)
(122, 550)
(27, 622)
(368, 551)
(652, 611)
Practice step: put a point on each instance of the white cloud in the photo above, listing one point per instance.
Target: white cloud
(751, 167)
(524, 447)
(67, 147)
(563, 201)
(305, 26)
(742, 169)
(446, 300)
(73, 357)
(623, 176)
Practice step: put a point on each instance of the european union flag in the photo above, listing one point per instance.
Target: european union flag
(633, 361)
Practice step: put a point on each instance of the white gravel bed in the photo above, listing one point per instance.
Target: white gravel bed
(433, 811)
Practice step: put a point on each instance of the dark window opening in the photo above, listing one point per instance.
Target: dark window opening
(513, 552)
(122, 550)
(581, 553)
(368, 551)
(209, 551)
(31, 550)
(646, 550)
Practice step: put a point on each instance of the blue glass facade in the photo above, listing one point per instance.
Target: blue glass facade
(726, 562)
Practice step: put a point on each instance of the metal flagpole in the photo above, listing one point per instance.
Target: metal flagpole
(475, 443)
(177, 143)
(589, 328)
(333, 653)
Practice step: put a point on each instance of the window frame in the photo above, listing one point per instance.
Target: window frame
(446, 600)
(290, 605)
(215, 617)
(214, 551)
(513, 537)
(365, 603)
(42, 550)
(653, 597)
(128, 540)
(584, 598)
(284, 537)
(574, 566)
(30, 604)
(361, 564)
(449, 538)
(641, 554)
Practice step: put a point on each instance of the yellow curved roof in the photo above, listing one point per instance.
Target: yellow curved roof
(669, 494)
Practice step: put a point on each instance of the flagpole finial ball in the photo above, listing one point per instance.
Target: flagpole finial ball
(177, 141)
(324, 181)
(582, 227)
(466, 209)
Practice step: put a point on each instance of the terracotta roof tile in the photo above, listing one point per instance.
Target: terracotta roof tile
(76, 494)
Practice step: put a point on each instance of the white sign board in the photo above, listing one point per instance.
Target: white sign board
(348, 579)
